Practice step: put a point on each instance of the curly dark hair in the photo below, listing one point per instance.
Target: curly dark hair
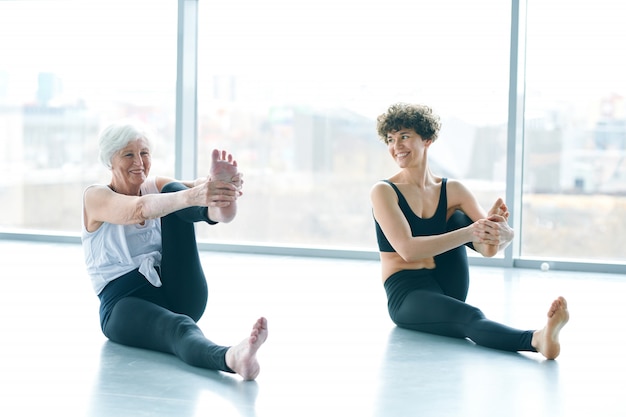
(409, 116)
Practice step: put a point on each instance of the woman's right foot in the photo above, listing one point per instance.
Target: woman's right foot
(546, 340)
(242, 357)
(224, 168)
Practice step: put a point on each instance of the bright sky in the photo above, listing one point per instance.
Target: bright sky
(451, 53)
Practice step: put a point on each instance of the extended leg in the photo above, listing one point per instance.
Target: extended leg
(440, 314)
(140, 323)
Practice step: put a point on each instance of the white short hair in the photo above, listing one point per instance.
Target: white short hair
(117, 135)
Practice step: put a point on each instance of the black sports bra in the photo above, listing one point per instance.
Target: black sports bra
(434, 225)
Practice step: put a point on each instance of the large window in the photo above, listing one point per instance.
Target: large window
(574, 201)
(293, 90)
(66, 70)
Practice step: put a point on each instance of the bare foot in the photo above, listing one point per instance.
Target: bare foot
(224, 168)
(242, 357)
(546, 340)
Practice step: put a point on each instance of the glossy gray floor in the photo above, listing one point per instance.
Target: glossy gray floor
(332, 349)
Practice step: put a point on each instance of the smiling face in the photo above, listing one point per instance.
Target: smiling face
(406, 147)
(130, 166)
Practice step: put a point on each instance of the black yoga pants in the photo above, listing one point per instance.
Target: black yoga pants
(433, 301)
(135, 313)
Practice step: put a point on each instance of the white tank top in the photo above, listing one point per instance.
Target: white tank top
(114, 250)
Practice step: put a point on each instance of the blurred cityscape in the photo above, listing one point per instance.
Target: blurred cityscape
(308, 170)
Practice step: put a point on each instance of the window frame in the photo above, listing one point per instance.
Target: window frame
(186, 157)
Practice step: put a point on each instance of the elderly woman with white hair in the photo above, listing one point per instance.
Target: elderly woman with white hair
(141, 255)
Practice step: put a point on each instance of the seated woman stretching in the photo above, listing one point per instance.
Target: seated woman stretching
(422, 222)
(141, 255)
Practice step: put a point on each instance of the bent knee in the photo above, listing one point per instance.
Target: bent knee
(172, 187)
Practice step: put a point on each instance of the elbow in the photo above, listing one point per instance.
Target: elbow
(141, 213)
(408, 256)
(411, 251)
(409, 259)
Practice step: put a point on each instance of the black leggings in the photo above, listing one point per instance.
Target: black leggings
(135, 313)
(433, 301)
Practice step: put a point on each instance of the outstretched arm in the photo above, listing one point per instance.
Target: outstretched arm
(101, 204)
(219, 192)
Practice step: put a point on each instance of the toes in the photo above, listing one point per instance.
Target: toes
(261, 323)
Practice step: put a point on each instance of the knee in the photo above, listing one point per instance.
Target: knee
(475, 314)
(184, 325)
(172, 187)
(190, 214)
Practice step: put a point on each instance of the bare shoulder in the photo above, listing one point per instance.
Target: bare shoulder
(457, 191)
(460, 197)
(94, 191)
(456, 185)
(94, 198)
(381, 189)
(384, 200)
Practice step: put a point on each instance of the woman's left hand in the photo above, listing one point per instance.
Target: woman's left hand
(494, 230)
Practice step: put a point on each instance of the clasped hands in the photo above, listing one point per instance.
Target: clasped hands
(221, 193)
(224, 183)
(494, 230)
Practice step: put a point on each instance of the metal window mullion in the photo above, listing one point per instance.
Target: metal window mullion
(186, 91)
(515, 133)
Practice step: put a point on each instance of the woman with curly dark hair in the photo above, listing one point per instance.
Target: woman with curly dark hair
(422, 223)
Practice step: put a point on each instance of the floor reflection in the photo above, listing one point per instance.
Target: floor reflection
(139, 382)
(332, 350)
(423, 374)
